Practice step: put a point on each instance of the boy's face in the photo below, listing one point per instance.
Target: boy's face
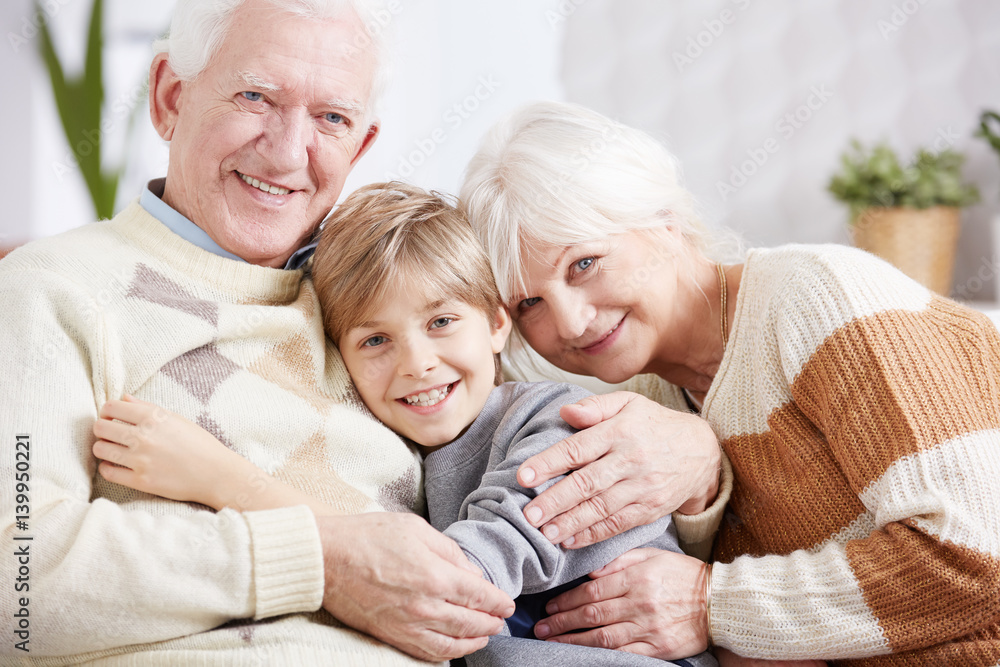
(425, 366)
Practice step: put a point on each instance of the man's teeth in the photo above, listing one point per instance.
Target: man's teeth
(265, 187)
(427, 399)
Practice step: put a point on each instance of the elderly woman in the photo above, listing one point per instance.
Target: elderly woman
(859, 411)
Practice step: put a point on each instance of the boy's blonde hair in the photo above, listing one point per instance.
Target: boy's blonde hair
(386, 234)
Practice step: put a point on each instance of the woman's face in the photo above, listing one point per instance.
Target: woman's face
(600, 308)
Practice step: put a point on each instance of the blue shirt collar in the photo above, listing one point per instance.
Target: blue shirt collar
(150, 199)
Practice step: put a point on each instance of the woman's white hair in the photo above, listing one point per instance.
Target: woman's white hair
(199, 27)
(560, 174)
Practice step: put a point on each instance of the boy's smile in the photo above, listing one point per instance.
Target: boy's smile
(424, 365)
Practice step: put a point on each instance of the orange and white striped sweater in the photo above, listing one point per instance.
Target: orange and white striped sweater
(861, 415)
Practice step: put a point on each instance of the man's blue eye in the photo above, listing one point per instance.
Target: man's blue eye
(335, 118)
(374, 341)
(528, 303)
(584, 263)
(253, 96)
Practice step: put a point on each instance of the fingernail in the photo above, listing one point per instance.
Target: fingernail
(527, 475)
(534, 515)
(551, 532)
(569, 541)
(541, 630)
(551, 608)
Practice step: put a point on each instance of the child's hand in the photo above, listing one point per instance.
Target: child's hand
(162, 453)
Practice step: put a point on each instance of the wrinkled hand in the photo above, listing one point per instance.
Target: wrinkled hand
(398, 579)
(156, 451)
(635, 462)
(647, 601)
(727, 658)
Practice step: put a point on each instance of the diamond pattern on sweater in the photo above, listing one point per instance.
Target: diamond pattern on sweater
(155, 287)
(290, 365)
(400, 495)
(201, 371)
(210, 425)
(308, 469)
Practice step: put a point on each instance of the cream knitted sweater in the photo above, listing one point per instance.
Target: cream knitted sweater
(861, 414)
(126, 306)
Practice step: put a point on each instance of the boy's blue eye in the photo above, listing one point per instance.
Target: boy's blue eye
(584, 263)
(374, 341)
(528, 303)
(253, 96)
(441, 322)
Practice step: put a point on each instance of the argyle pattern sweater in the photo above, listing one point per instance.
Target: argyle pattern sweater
(861, 415)
(122, 577)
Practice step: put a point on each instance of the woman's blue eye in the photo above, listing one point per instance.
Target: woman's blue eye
(253, 96)
(335, 118)
(441, 322)
(374, 341)
(584, 263)
(528, 303)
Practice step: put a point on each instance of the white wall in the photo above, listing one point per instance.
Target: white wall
(717, 79)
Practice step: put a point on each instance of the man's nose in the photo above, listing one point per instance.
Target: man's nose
(287, 141)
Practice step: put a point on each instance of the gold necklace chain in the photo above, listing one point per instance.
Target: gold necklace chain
(724, 319)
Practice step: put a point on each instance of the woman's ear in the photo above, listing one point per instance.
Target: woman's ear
(164, 96)
(501, 329)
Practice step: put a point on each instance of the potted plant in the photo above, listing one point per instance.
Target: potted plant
(992, 136)
(908, 215)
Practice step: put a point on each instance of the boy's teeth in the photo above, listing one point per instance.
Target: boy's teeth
(265, 187)
(426, 399)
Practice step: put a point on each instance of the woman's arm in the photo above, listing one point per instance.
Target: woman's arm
(147, 448)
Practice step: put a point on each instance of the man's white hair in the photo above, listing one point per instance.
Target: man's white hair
(199, 27)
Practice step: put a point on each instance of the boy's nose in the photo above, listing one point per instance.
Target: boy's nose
(417, 361)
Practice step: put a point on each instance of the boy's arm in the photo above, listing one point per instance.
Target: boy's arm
(148, 448)
(493, 531)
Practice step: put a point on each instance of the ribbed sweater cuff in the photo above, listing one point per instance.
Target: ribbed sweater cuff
(696, 532)
(288, 561)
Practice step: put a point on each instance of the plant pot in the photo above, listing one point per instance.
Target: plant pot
(919, 242)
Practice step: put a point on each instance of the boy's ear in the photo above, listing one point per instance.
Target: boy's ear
(501, 329)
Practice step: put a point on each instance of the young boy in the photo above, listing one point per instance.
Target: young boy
(408, 296)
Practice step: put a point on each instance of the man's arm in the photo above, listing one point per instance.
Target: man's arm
(104, 575)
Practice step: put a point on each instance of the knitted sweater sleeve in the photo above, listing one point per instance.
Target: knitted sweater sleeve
(99, 574)
(902, 390)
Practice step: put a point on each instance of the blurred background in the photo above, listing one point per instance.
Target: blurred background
(757, 99)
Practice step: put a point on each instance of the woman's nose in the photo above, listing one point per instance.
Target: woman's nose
(572, 316)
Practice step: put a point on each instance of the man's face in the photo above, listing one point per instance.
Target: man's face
(263, 139)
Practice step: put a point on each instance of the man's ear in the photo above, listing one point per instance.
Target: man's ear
(366, 143)
(501, 329)
(164, 96)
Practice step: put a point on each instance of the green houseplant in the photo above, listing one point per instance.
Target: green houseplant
(907, 214)
(992, 136)
(79, 101)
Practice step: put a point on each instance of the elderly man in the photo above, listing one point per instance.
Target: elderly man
(191, 298)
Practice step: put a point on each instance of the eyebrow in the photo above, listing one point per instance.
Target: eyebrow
(375, 324)
(256, 81)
